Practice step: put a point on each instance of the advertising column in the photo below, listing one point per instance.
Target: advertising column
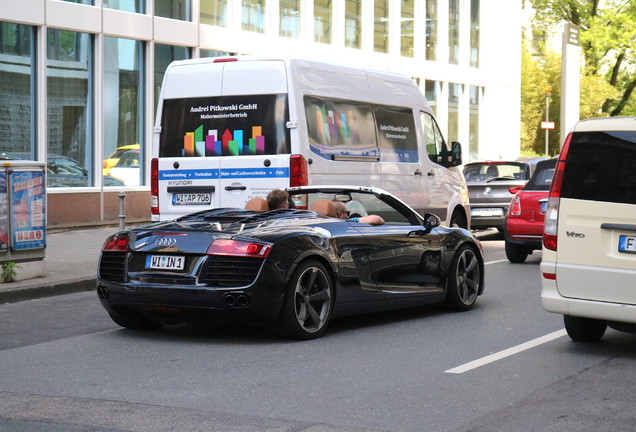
(28, 210)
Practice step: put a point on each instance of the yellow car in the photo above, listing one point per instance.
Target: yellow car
(112, 160)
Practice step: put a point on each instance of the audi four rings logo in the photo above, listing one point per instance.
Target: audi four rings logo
(163, 241)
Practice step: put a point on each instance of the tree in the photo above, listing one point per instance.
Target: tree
(607, 35)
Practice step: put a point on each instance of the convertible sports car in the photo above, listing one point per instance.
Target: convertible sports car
(293, 269)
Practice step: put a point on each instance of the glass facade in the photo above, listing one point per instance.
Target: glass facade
(453, 32)
(323, 20)
(407, 28)
(353, 24)
(454, 97)
(137, 6)
(164, 55)
(474, 33)
(381, 26)
(431, 30)
(123, 104)
(69, 118)
(175, 9)
(431, 92)
(214, 12)
(253, 15)
(289, 12)
(473, 122)
(18, 90)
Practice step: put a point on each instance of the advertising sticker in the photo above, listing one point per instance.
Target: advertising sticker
(28, 210)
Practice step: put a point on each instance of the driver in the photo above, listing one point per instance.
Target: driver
(343, 213)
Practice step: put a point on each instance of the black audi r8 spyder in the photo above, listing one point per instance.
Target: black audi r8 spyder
(293, 269)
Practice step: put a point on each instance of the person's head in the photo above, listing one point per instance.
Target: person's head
(341, 209)
(278, 199)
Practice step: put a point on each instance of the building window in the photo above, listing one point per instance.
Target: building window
(353, 16)
(175, 9)
(86, 2)
(431, 92)
(254, 15)
(454, 96)
(474, 33)
(289, 11)
(124, 105)
(473, 122)
(164, 55)
(407, 28)
(18, 90)
(214, 12)
(322, 21)
(126, 5)
(203, 53)
(69, 116)
(453, 32)
(381, 26)
(431, 30)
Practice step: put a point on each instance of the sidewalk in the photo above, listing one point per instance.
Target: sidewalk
(71, 266)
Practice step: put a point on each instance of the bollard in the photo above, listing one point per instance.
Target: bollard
(122, 211)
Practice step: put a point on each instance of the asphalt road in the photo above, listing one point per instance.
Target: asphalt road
(506, 365)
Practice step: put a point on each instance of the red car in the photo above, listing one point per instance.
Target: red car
(524, 223)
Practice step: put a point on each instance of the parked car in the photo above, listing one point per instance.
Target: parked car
(524, 223)
(489, 184)
(127, 169)
(588, 263)
(112, 160)
(292, 269)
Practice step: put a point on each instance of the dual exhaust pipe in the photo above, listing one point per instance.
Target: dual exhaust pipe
(236, 300)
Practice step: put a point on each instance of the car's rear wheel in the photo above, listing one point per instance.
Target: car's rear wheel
(308, 303)
(134, 321)
(584, 329)
(464, 279)
(515, 253)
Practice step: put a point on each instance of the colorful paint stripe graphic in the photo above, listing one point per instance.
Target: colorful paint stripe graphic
(229, 143)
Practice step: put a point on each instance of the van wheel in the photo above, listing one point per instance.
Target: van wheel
(515, 253)
(458, 220)
(584, 329)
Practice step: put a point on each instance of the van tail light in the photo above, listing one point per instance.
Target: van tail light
(239, 248)
(225, 59)
(116, 243)
(154, 186)
(298, 172)
(515, 206)
(550, 227)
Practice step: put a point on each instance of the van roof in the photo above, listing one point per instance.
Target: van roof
(605, 124)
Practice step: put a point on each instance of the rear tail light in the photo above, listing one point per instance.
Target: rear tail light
(550, 227)
(515, 207)
(154, 186)
(225, 59)
(116, 243)
(298, 173)
(239, 248)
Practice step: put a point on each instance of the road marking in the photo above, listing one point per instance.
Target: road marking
(495, 262)
(506, 353)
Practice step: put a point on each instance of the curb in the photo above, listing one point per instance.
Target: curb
(14, 295)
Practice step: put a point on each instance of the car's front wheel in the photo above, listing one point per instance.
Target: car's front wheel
(584, 329)
(308, 303)
(515, 253)
(464, 279)
(134, 321)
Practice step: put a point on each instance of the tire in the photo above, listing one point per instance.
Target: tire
(308, 303)
(464, 279)
(135, 321)
(458, 220)
(515, 253)
(584, 329)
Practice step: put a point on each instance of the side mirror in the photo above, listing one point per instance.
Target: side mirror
(456, 150)
(431, 221)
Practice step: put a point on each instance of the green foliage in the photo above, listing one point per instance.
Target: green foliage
(9, 271)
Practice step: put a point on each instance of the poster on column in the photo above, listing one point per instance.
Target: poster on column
(28, 210)
(4, 213)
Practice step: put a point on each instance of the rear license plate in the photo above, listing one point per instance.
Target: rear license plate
(163, 262)
(191, 199)
(486, 212)
(627, 244)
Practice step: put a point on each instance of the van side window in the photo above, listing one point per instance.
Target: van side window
(435, 146)
(396, 134)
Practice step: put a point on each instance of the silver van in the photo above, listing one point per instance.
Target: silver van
(588, 264)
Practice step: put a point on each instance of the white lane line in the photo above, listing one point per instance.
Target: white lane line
(506, 353)
(495, 262)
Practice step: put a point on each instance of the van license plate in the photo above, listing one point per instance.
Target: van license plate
(163, 262)
(191, 199)
(627, 244)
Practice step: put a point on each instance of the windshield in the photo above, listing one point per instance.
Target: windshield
(483, 172)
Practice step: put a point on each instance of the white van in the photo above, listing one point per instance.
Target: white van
(233, 128)
(588, 264)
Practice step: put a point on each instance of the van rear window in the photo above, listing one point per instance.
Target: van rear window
(225, 126)
(601, 166)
